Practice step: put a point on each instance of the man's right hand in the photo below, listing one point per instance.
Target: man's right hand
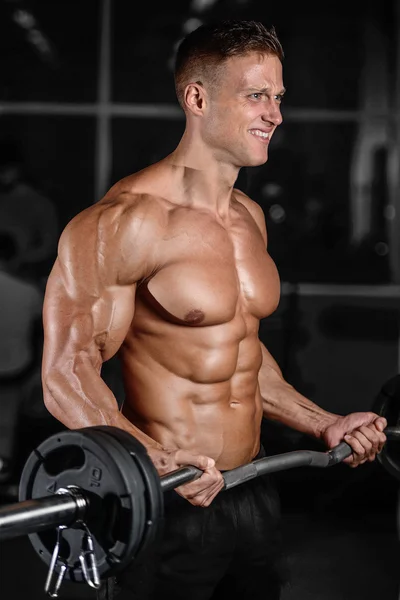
(200, 492)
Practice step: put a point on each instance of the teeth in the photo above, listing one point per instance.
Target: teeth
(259, 133)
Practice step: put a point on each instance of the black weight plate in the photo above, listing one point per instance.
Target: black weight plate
(108, 476)
(387, 404)
(153, 492)
(131, 521)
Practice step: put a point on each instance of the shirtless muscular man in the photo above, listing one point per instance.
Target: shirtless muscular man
(170, 270)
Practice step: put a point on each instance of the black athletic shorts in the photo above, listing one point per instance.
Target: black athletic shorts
(230, 549)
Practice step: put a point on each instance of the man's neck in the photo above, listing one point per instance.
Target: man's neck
(206, 181)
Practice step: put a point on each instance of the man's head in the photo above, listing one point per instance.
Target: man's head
(228, 79)
(203, 52)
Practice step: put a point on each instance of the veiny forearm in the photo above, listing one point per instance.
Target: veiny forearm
(79, 398)
(283, 403)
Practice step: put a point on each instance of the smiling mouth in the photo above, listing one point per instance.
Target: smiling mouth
(262, 135)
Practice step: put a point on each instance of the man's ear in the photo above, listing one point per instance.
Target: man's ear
(195, 97)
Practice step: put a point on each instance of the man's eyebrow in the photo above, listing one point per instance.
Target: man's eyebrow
(264, 90)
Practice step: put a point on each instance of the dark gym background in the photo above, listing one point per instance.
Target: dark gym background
(87, 97)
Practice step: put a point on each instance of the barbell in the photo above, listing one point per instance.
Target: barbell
(91, 499)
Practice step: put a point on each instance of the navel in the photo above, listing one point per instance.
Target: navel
(194, 317)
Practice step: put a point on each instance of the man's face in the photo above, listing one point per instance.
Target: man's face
(244, 109)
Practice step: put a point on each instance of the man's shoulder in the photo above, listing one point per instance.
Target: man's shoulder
(247, 201)
(243, 198)
(253, 208)
(119, 233)
(145, 187)
(120, 209)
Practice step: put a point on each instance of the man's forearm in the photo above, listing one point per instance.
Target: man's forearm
(87, 402)
(281, 402)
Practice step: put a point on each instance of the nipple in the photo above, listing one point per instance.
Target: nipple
(194, 317)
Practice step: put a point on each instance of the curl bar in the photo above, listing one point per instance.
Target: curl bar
(91, 499)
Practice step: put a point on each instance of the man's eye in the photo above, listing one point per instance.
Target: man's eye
(279, 97)
(256, 95)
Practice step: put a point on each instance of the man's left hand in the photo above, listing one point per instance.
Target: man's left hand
(363, 431)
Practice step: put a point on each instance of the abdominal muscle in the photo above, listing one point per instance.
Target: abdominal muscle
(196, 388)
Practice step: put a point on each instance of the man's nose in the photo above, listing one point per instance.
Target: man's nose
(273, 114)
